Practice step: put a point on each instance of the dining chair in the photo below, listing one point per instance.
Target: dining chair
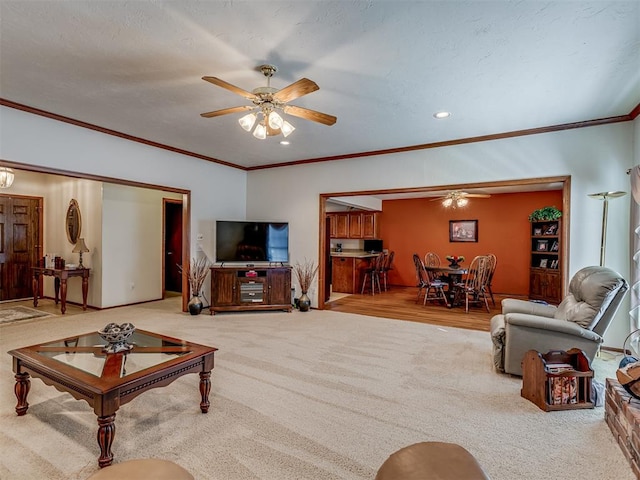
(474, 287)
(433, 287)
(372, 274)
(493, 264)
(431, 259)
(386, 267)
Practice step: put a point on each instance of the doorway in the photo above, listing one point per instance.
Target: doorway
(172, 245)
(20, 244)
(562, 183)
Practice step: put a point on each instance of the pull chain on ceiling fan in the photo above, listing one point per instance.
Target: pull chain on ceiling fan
(266, 101)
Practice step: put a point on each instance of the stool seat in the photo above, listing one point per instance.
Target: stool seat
(150, 468)
(431, 461)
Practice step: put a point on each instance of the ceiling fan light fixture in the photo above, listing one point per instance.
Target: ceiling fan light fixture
(286, 128)
(275, 120)
(447, 202)
(462, 202)
(260, 132)
(248, 121)
(6, 177)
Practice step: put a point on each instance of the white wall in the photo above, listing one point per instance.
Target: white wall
(217, 191)
(132, 228)
(596, 158)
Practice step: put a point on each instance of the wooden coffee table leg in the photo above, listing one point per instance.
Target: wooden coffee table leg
(106, 433)
(23, 384)
(205, 388)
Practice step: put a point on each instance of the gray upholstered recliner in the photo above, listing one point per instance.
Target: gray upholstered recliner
(580, 321)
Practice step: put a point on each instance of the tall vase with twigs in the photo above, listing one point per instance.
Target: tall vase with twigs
(305, 273)
(196, 273)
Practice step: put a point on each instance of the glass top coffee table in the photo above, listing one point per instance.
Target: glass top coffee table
(80, 366)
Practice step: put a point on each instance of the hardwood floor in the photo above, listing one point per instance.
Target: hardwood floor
(400, 303)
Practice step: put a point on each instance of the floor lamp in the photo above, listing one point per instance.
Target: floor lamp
(605, 209)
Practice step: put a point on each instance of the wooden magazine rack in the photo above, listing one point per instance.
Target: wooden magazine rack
(557, 380)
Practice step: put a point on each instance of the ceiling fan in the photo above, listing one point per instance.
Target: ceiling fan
(266, 100)
(458, 198)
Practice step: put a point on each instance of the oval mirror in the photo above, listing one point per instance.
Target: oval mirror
(73, 221)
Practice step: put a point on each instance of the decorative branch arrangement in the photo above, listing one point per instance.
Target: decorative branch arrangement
(196, 273)
(305, 273)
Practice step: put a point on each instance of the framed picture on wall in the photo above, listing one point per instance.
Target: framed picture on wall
(463, 230)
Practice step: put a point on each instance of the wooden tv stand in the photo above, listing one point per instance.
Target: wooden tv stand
(236, 289)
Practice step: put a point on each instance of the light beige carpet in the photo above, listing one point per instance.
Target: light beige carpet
(315, 395)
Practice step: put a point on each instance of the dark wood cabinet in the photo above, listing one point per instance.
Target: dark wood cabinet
(347, 274)
(332, 225)
(250, 288)
(545, 279)
(223, 287)
(356, 225)
(370, 225)
(342, 225)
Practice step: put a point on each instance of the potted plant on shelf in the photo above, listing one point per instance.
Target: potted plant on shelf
(196, 273)
(545, 214)
(305, 273)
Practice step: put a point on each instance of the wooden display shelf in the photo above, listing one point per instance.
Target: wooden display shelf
(539, 380)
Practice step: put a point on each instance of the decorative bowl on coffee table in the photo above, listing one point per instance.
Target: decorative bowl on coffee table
(117, 336)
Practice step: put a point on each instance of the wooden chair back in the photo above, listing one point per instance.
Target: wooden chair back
(431, 259)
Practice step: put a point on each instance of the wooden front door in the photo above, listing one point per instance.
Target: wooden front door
(20, 246)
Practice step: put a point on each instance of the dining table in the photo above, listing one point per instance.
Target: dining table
(453, 275)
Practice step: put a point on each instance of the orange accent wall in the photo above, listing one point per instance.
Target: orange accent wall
(421, 225)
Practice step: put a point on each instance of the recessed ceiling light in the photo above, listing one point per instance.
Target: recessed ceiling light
(284, 142)
(442, 114)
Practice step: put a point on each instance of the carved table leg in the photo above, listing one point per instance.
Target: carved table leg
(106, 434)
(35, 284)
(23, 384)
(85, 290)
(205, 388)
(56, 289)
(63, 295)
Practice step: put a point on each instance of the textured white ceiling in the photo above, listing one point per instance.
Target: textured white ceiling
(383, 67)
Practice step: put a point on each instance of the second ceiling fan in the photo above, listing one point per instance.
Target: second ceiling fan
(266, 101)
(458, 198)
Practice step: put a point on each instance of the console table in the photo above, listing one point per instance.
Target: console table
(61, 275)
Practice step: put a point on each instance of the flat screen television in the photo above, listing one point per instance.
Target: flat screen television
(244, 241)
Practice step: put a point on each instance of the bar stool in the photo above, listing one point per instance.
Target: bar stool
(373, 274)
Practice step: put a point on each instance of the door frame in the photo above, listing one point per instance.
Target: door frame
(565, 180)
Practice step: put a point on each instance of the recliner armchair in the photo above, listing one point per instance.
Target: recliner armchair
(580, 321)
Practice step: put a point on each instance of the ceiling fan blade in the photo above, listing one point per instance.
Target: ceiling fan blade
(476, 195)
(296, 90)
(232, 88)
(310, 115)
(226, 111)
